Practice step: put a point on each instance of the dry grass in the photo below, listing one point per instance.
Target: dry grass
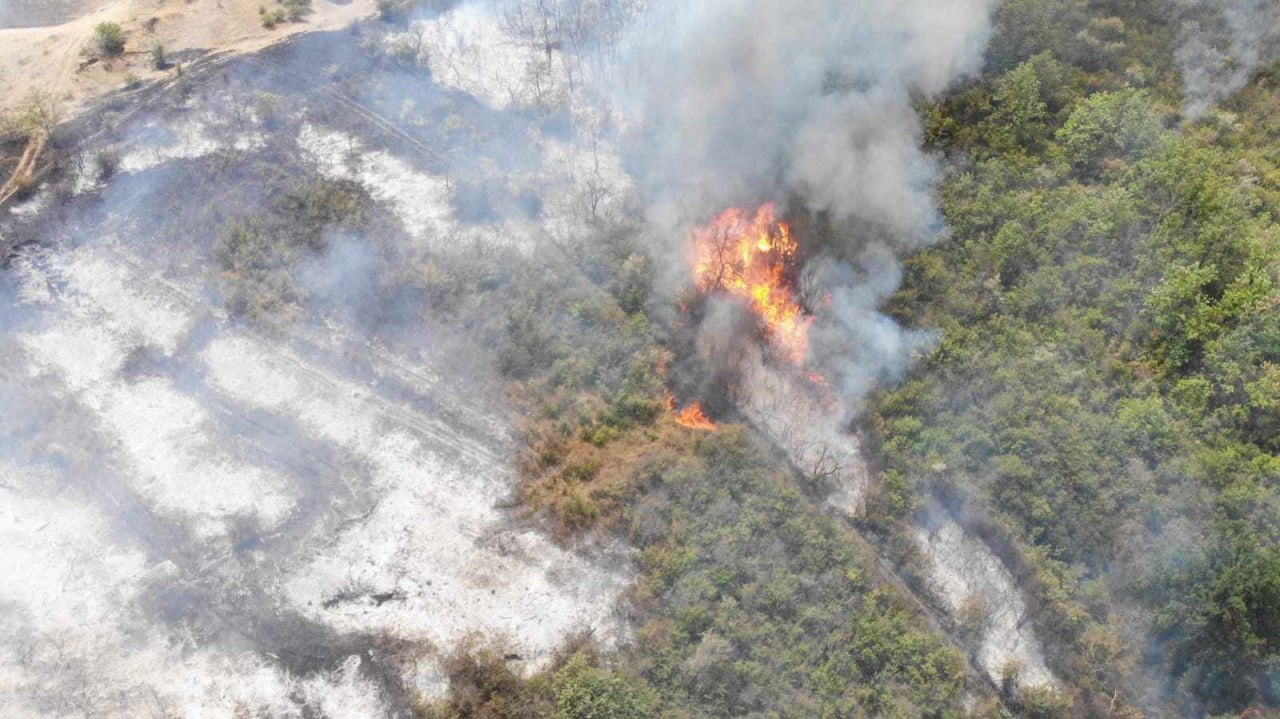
(583, 472)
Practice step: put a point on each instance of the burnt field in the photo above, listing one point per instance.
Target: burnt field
(223, 358)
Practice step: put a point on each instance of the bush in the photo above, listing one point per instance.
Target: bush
(579, 510)
(295, 9)
(974, 616)
(481, 684)
(1043, 703)
(110, 38)
(634, 407)
(36, 115)
(106, 163)
(586, 692)
(157, 56)
(582, 471)
(271, 18)
(1120, 124)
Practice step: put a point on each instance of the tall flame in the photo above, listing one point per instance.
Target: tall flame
(749, 256)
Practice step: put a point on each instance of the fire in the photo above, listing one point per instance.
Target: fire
(750, 256)
(694, 418)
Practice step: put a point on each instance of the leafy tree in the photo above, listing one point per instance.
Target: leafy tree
(1110, 125)
(1103, 393)
(1027, 27)
(1223, 625)
(1020, 115)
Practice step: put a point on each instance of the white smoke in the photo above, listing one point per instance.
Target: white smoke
(737, 103)
(747, 101)
(1222, 43)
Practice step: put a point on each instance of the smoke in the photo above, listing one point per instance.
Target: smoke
(737, 103)
(344, 279)
(1222, 43)
(815, 103)
(856, 344)
(748, 101)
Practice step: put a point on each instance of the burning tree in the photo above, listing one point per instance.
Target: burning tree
(752, 256)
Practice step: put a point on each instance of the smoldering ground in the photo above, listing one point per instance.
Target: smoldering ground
(245, 469)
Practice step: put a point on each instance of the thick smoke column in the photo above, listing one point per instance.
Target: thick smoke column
(1222, 43)
(745, 102)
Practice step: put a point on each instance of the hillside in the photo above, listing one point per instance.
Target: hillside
(611, 359)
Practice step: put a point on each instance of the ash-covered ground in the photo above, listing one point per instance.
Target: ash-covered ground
(266, 484)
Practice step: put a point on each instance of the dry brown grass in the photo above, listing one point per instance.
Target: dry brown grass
(579, 471)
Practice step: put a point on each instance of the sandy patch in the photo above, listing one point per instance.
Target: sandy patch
(963, 569)
(56, 59)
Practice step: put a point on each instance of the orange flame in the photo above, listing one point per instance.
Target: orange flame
(694, 418)
(749, 256)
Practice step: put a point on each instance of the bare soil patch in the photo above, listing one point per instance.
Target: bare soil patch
(63, 61)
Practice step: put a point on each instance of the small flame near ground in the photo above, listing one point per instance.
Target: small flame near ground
(752, 256)
(694, 418)
(691, 416)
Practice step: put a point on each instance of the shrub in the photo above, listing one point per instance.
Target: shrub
(1043, 703)
(481, 684)
(106, 163)
(600, 436)
(582, 471)
(157, 55)
(579, 510)
(586, 692)
(110, 38)
(974, 615)
(37, 114)
(270, 17)
(638, 408)
(1110, 124)
(296, 8)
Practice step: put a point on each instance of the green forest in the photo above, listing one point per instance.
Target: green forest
(1104, 387)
